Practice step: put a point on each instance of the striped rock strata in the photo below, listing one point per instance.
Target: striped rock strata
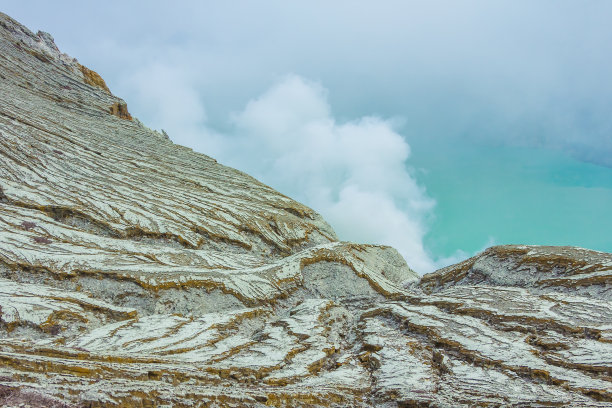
(138, 273)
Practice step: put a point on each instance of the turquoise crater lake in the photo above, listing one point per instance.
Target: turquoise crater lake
(512, 195)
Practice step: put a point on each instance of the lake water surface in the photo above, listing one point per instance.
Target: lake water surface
(512, 195)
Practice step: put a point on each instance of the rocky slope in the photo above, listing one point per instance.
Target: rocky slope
(137, 273)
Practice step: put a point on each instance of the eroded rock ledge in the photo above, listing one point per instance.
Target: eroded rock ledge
(135, 272)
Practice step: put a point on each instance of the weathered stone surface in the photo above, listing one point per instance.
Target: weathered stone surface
(135, 272)
(541, 269)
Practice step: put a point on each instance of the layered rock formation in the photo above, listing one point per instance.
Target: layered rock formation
(138, 273)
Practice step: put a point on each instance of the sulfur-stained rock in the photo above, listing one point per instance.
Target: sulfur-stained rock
(120, 110)
(135, 272)
(539, 268)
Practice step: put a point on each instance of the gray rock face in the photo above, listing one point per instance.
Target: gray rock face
(135, 272)
(540, 269)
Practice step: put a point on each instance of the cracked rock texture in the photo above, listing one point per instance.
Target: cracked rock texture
(137, 273)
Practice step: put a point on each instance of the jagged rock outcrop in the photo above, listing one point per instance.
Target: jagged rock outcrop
(135, 272)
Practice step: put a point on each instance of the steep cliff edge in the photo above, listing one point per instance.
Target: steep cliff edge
(135, 272)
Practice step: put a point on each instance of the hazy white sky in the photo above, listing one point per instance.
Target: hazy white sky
(323, 99)
(523, 65)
